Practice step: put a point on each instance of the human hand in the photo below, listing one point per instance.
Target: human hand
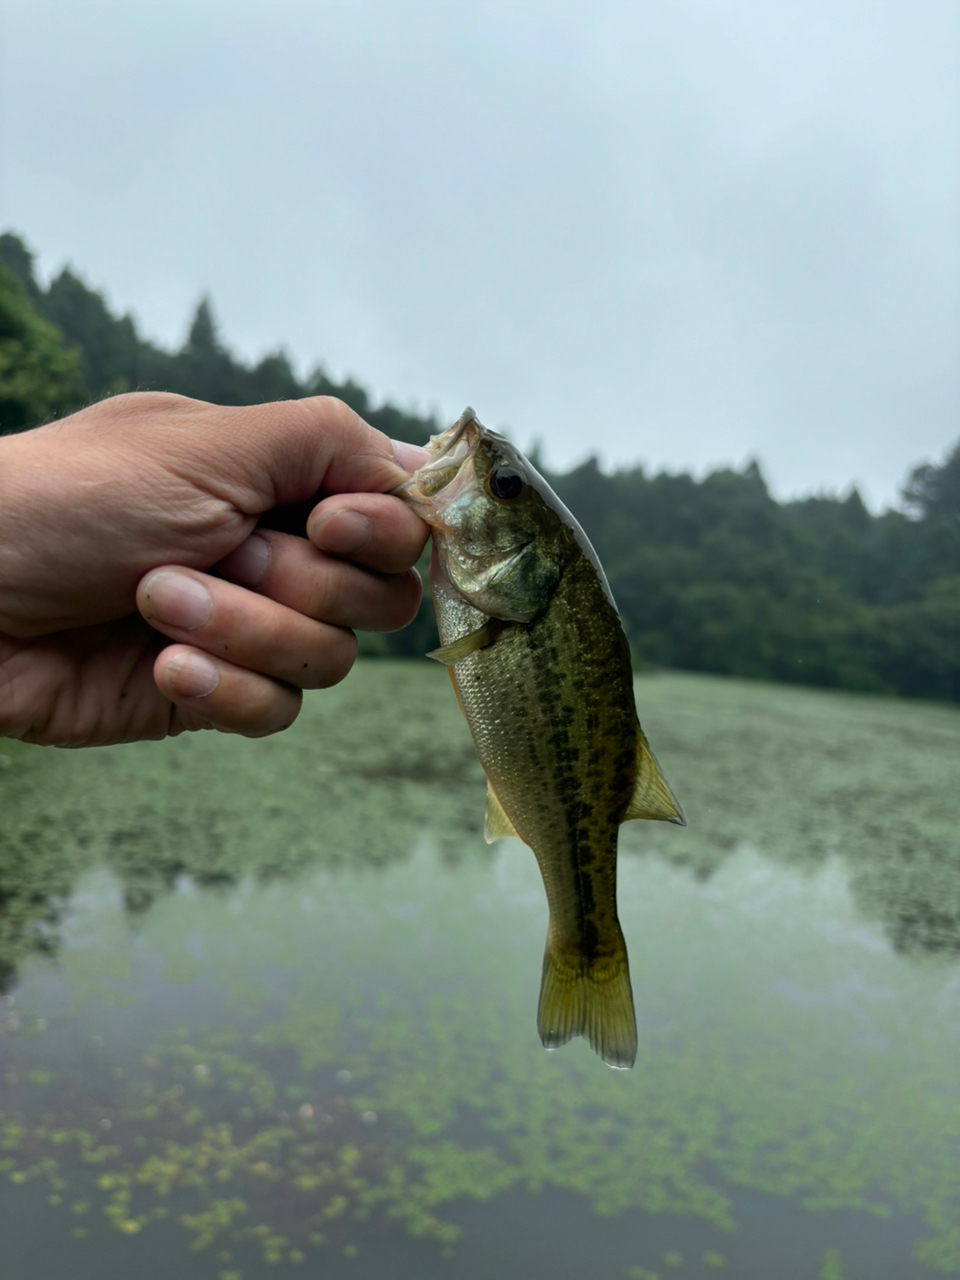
(110, 521)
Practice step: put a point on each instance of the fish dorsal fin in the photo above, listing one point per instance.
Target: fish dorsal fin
(496, 824)
(457, 650)
(652, 797)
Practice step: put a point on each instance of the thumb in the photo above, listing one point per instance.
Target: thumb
(269, 455)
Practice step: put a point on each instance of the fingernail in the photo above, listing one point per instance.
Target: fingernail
(178, 601)
(341, 533)
(191, 675)
(248, 564)
(409, 456)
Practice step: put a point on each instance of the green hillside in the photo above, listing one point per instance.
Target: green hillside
(710, 575)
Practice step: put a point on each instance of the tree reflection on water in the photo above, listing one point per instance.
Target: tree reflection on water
(799, 776)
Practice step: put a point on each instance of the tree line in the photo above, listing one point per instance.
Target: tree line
(710, 575)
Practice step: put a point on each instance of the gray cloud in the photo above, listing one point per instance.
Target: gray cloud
(680, 234)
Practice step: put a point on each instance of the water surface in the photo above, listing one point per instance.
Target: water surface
(270, 1007)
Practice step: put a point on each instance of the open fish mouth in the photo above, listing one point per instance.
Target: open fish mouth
(448, 440)
(452, 447)
(450, 450)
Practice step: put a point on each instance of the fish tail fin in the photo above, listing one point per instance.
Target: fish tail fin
(589, 998)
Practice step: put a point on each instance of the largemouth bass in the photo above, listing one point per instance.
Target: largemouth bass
(541, 667)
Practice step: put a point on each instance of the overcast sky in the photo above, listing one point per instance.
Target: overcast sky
(663, 231)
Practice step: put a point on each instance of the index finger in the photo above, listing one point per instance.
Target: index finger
(376, 530)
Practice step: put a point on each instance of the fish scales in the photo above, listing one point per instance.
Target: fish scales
(538, 657)
(551, 739)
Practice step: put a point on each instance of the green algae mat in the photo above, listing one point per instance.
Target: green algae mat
(268, 1008)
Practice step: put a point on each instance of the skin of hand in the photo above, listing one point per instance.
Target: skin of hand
(133, 524)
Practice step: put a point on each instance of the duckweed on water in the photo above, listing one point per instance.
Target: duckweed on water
(832, 1268)
(800, 775)
(714, 1101)
(784, 1046)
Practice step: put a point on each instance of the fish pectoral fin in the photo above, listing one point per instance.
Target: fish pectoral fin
(652, 797)
(496, 824)
(457, 650)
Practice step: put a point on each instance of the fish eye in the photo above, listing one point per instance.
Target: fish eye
(505, 483)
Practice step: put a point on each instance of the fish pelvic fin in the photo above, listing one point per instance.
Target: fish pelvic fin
(652, 797)
(589, 998)
(496, 824)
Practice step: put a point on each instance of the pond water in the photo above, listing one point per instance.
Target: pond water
(268, 1008)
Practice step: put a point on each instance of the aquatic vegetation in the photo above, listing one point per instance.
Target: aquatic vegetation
(748, 1075)
(799, 775)
(832, 1268)
(334, 1035)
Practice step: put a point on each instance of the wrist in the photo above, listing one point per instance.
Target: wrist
(22, 480)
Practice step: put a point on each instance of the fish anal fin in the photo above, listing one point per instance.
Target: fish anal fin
(496, 824)
(589, 998)
(652, 797)
(462, 648)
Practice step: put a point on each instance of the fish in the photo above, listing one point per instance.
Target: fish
(534, 645)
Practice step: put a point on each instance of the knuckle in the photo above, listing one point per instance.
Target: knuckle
(350, 424)
(323, 594)
(337, 415)
(131, 403)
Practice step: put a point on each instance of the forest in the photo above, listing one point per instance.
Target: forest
(709, 574)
